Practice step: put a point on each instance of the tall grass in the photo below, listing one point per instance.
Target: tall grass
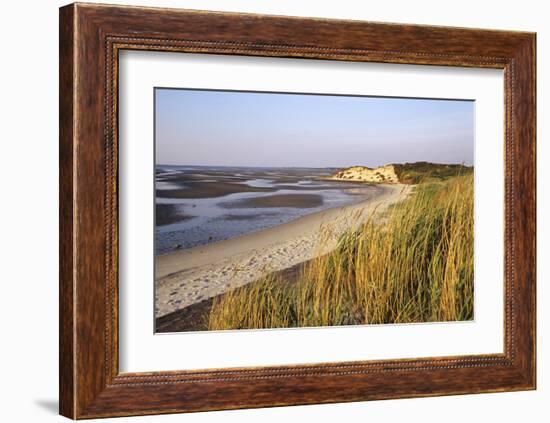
(414, 266)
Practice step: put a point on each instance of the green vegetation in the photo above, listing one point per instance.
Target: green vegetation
(414, 173)
(415, 266)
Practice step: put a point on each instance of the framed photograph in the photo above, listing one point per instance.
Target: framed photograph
(264, 211)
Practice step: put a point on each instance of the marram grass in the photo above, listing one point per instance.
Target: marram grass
(417, 265)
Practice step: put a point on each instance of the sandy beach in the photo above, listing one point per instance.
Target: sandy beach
(192, 275)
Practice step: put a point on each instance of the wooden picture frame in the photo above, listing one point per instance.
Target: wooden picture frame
(91, 36)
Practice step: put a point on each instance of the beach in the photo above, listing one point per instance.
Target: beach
(189, 276)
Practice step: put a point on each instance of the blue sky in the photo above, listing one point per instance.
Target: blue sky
(231, 128)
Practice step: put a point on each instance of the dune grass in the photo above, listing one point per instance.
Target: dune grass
(414, 265)
(414, 173)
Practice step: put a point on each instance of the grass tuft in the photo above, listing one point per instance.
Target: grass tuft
(415, 265)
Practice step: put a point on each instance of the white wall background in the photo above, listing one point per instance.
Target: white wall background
(28, 231)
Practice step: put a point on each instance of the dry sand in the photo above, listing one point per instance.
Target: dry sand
(189, 276)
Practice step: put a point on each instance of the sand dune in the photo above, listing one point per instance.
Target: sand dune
(383, 174)
(189, 276)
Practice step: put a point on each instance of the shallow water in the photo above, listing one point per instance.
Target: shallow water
(211, 219)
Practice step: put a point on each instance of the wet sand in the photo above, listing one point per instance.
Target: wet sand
(193, 275)
(302, 201)
(214, 184)
(208, 190)
(239, 217)
(165, 214)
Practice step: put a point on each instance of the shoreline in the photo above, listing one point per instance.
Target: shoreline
(187, 277)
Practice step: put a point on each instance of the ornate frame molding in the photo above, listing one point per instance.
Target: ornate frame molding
(91, 37)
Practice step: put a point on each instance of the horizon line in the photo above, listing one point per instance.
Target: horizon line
(314, 167)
